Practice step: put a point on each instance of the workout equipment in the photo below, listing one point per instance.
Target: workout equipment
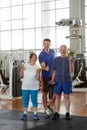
(77, 81)
(10, 87)
(16, 84)
(79, 78)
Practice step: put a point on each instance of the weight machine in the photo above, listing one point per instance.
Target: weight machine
(10, 87)
(77, 81)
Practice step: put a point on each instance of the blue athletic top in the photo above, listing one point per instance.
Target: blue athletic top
(48, 60)
(61, 65)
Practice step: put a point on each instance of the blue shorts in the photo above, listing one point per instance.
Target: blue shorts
(26, 94)
(65, 87)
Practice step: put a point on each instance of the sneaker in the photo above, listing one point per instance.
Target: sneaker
(24, 117)
(68, 116)
(47, 114)
(50, 109)
(56, 116)
(36, 117)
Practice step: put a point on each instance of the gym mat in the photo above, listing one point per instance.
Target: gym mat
(11, 120)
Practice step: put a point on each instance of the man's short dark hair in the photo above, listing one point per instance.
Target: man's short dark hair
(47, 39)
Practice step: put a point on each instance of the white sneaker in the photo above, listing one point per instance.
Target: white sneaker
(47, 114)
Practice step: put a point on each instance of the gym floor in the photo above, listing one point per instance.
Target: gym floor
(78, 104)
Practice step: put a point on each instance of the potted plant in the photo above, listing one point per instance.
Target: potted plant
(70, 52)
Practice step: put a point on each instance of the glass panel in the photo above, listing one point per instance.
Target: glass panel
(85, 15)
(38, 0)
(86, 2)
(17, 24)
(17, 13)
(86, 39)
(46, 0)
(37, 53)
(50, 33)
(86, 29)
(39, 39)
(48, 5)
(16, 2)
(29, 16)
(17, 17)
(6, 40)
(17, 39)
(5, 19)
(4, 3)
(61, 36)
(28, 1)
(29, 39)
(60, 14)
(62, 4)
(38, 15)
(49, 18)
(37, 22)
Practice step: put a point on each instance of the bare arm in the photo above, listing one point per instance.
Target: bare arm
(71, 65)
(21, 73)
(38, 74)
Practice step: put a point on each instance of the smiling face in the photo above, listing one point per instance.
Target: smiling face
(33, 58)
(46, 44)
(63, 50)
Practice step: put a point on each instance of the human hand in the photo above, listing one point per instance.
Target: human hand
(22, 67)
(51, 82)
(47, 68)
(38, 70)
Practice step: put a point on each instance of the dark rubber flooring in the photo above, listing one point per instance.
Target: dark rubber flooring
(10, 120)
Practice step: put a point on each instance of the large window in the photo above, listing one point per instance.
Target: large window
(86, 23)
(25, 23)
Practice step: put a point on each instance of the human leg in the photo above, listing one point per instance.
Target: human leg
(45, 91)
(67, 89)
(57, 92)
(51, 89)
(34, 95)
(67, 105)
(44, 100)
(51, 104)
(67, 102)
(25, 101)
(56, 107)
(51, 92)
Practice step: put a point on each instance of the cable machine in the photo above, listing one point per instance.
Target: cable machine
(10, 85)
